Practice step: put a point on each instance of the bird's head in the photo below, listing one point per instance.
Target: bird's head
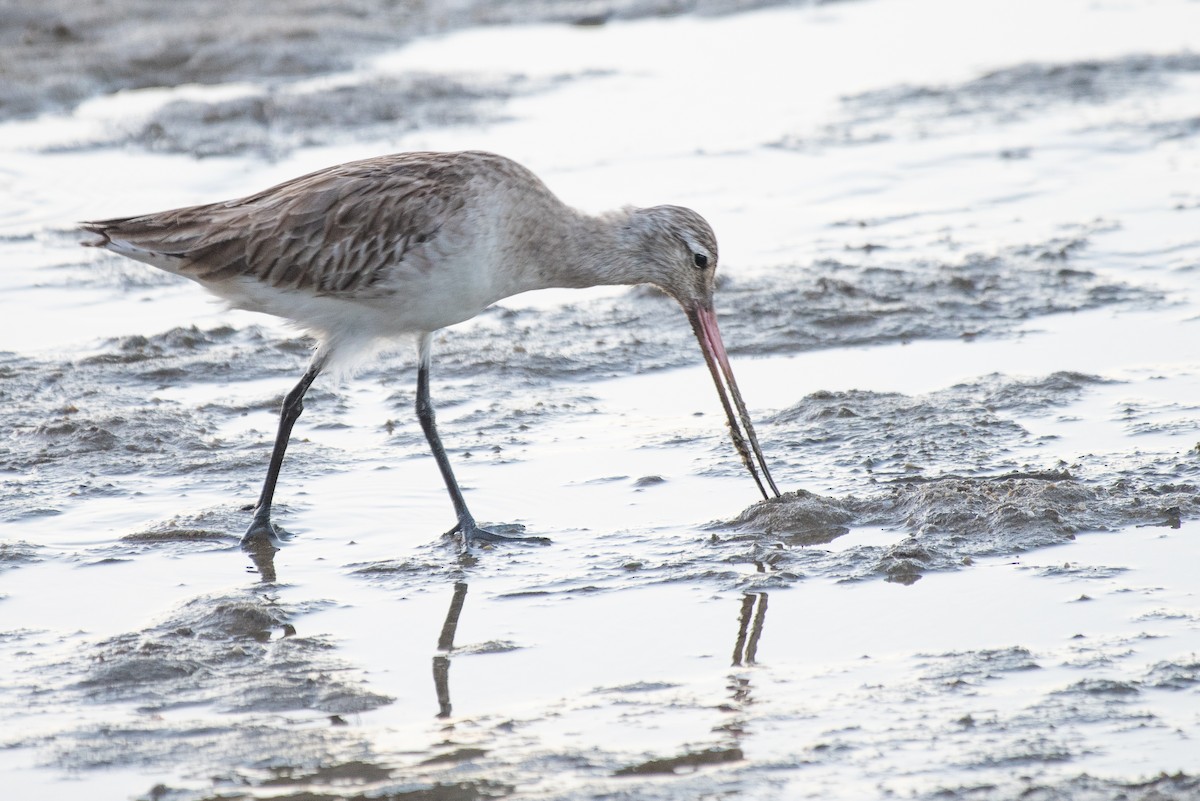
(678, 251)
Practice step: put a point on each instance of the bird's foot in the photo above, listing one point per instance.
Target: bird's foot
(473, 533)
(263, 533)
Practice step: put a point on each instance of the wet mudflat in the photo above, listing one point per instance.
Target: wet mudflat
(959, 265)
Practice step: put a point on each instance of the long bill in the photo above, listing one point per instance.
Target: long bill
(704, 323)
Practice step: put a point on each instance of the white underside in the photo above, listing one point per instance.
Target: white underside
(351, 328)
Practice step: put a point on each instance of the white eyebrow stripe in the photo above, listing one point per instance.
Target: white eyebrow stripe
(697, 247)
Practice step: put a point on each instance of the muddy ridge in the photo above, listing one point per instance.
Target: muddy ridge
(59, 53)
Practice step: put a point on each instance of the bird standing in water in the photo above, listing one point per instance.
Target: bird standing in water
(407, 244)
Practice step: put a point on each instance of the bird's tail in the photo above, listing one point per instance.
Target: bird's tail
(100, 229)
(146, 239)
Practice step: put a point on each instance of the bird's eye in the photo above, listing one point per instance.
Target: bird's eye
(701, 260)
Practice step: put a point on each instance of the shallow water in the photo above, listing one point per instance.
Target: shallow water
(959, 264)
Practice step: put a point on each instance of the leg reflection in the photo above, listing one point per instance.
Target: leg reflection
(441, 684)
(262, 556)
(750, 627)
(441, 663)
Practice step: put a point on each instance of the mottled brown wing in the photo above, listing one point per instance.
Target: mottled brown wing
(338, 230)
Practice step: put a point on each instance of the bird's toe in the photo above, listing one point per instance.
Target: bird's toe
(498, 534)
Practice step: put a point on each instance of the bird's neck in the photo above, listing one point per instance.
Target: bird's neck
(566, 248)
(599, 250)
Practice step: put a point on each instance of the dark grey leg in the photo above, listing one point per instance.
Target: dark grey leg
(293, 405)
(466, 521)
(429, 426)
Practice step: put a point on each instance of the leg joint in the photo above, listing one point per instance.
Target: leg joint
(424, 408)
(293, 403)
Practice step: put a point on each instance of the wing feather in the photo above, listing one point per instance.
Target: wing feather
(335, 231)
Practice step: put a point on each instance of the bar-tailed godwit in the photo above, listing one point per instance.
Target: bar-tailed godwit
(407, 244)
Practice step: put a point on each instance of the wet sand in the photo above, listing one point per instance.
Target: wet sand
(958, 287)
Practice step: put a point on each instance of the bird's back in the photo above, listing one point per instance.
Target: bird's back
(392, 230)
(331, 231)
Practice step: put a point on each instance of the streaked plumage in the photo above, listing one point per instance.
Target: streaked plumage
(410, 243)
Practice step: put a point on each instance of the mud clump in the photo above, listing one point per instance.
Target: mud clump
(78, 428)
(990, 513)
(1029, 395)
(689, 761)
(1078, 788)
(952, 520)
(167, 535)
(236, 652)
(799, 517)
(13, 553)
(967, 428)
(889, 434)
(977, 665)
(1173, 676)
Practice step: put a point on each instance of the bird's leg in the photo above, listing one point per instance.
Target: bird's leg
(471, 532)
(293, 404)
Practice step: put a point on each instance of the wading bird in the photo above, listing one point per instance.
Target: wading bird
(407, 244)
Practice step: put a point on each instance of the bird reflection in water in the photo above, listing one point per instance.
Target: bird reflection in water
(441, 662)
(751, 618)
(741, 692)
(750, 627)
(262, 558)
